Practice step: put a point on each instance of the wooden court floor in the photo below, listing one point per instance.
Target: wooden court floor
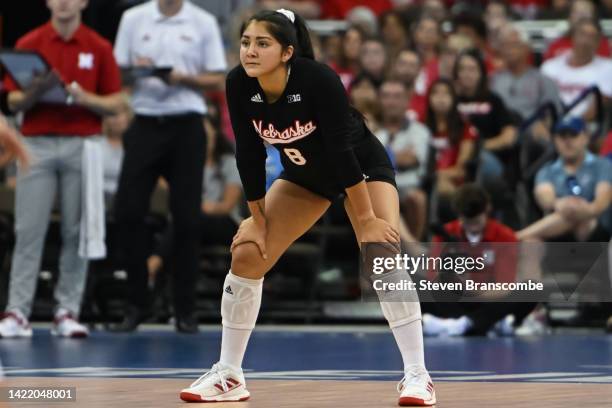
(123, 392)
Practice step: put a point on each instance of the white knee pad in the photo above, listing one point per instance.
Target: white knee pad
(240, 301)
(399, 307)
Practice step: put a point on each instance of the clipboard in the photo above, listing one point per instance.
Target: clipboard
(129, 75)
(22, 66)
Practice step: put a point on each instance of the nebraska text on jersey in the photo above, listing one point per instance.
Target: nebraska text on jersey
(291, 134)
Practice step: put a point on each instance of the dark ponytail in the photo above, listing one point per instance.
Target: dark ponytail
(285, 32)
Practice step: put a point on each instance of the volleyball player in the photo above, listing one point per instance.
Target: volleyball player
(280, 95)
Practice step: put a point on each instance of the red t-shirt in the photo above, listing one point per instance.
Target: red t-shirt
(87, 59)
(446, 153)
(417, 107)
(494, 231)
(560, 45)
(500, 260)
(338, 9)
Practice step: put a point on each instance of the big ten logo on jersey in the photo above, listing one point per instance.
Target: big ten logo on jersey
(294, 98)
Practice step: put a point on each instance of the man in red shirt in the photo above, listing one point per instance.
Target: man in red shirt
(55, 135)
(478, 235)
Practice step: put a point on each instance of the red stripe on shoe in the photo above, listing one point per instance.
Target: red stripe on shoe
(412, 401)
(219, 387)
(234, 382)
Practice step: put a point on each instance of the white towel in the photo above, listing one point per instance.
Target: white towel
(93, 227)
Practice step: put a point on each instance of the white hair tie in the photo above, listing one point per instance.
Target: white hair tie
(287, 13)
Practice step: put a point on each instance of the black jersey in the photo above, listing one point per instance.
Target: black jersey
(311, 124)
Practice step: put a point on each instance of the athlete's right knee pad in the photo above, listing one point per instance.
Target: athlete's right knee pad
(240, 301)
(399, 307)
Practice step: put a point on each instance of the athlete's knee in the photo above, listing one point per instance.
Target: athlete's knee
(247, 261)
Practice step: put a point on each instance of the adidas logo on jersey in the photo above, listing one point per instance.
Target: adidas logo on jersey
(257, 98)
(228, 290)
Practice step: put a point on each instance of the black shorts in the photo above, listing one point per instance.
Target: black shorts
(373, 160)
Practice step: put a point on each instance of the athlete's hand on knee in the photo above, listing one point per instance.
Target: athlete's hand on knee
(251, 231)
(379, 230)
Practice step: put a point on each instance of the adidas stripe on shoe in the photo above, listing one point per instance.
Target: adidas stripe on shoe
(219, 384)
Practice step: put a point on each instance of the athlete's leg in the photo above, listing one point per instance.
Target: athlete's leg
(404, 317)
(290, 211)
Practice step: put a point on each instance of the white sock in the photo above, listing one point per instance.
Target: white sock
(239, 310)
(409, 338)
(233, 346)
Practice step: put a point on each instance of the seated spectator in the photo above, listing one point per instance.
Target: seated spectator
(474, 226)
(364, 18)
(363, 92)
(497, 15)
(347, 63)
(220, 215)
(428, 39)
(524, 89)
(521, 86)
(452, 46)
(452, 138)
(407, 143)
(579, 10)
(113, 128)
(472, 25)
(373, 59)
(395, 32)
(407, 68)
(489, 115)
(581, 68)
(574, 191)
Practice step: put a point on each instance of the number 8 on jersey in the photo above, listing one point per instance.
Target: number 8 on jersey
(295, 156)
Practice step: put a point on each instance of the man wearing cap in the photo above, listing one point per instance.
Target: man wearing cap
(574, 191)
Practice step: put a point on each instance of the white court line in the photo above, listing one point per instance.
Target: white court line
(512, 376)
(601, 379)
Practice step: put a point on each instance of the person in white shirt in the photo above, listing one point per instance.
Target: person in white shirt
(580, 68)
(166, 138)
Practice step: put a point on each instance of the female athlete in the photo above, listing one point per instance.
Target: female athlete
(280, 95)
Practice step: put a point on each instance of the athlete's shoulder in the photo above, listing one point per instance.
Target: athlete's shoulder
(314, 69)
